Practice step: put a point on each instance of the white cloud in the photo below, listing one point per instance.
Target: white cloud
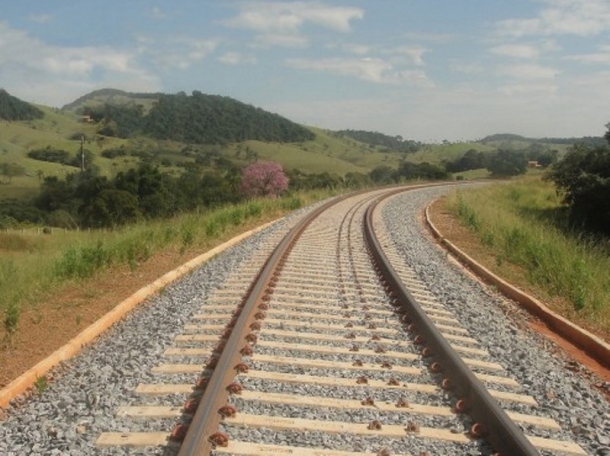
(157, 13)
(530, 71)
(438, 38)
(236, 58)
(281, 23)
(466, 67)
(530, 89)
(352, 48)
(52, 74)
(413, 53)
(177, 52)
(367, 69)
(290, 16)
(522, 51)
(601, 57)
(562, 17)
(268, 40)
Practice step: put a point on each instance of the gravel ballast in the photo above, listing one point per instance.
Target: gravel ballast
(82, 400)
(563, 394)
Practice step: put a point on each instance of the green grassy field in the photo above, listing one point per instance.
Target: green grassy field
(34, 264)
(435, 153)
(524, 223)
(326, 153)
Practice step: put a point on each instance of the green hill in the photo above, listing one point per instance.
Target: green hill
(127, 129)
(12, 108)
(112, 96)
(319, 151)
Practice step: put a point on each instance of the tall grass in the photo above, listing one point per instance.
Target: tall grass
(524, 223)
(31, 265)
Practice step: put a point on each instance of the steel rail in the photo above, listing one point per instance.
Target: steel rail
(503, 434)
(207, 417)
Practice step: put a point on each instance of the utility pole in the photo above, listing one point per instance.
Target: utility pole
(82, 153)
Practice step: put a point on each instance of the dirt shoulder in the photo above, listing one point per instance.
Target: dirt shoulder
(47, 326)
(466, 241)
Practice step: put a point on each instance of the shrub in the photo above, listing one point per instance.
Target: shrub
(583, 176)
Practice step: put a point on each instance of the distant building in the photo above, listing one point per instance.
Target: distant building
(533, 164)
(86, 119)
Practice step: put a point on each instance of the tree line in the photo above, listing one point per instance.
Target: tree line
(87, 199)
(391, 143)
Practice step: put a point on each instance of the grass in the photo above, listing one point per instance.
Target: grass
(34, 265)
(523, 223)
(435, 153)
(473, 174)
(11, 320)
(324, 154)
(41, 384)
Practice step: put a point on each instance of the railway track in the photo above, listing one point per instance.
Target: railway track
(337, 348)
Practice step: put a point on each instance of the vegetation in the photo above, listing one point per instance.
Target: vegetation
(198, 119)
(31, 266)
(384, 175)
(12, 108)
(523, 223)
(263, 179)
(390, 143)
(507, 137)
(11, 319)
(10, 170)
(583, 178)
(504, 163)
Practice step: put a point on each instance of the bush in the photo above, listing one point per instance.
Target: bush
(506, 163)
(583, 176)
(52, 155)
(6, 222)
(115, 152)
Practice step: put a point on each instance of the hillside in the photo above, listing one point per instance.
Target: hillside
(385, 142)
(60, 130)
(112, 96)
(516, 142)
(147, 130)
(197, 118)
(12, 108)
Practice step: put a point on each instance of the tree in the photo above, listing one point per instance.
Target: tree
(10, 170)
(113, 208)
(263, 179)
(505, 163)
(583, 176)
(382, 174)
(12, 108)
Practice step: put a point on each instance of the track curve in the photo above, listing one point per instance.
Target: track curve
(323, 329)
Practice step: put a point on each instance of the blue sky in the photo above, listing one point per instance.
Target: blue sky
(427, 70)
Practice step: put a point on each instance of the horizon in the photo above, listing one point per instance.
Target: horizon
(428, 72)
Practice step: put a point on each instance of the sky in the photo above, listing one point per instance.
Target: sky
(428, 70)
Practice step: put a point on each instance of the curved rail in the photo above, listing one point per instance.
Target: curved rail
(207, 418)
(499, 429)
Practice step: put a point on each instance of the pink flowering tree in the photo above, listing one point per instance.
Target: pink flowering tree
(263, 179)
